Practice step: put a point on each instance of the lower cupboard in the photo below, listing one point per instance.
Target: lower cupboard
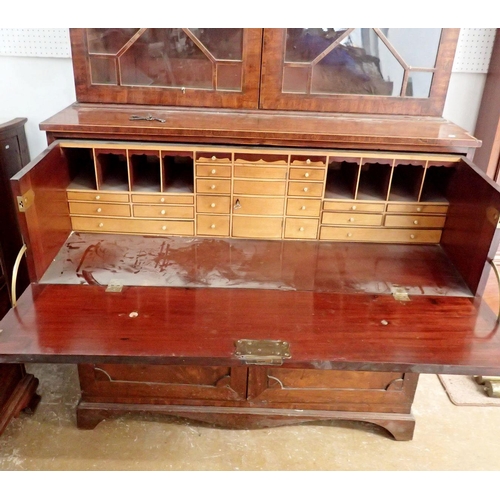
(248, 397)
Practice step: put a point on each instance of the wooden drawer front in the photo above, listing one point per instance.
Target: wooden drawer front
(353, 206)
(257, 227)
(260, 172)
(168, 199)
(352, 219)
(82, 208)
(213, 204)
(244, 205)
(414, 221)
(216, 225)
(213, 186)
(96, 224)
(97, 196)
(213, 170)
(164, 211)
(310, 174)
(301, 228)
(308, 161)
(166, 383)
(271, 188)
(334, 389)
(303, 206)
(417, 208)
(381, 235)
(314, 189)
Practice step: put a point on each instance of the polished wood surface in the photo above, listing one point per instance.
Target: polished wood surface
(280, 128)
(71, 323)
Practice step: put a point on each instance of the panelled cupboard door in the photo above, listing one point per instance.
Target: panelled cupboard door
(357, 70)
(209, 67)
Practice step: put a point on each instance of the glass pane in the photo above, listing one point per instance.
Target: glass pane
(103, 70)
(229, 76)
(166, 57)
(419, 84)
(108, 40)
(417, 46)
(222, 43)
(295, 79)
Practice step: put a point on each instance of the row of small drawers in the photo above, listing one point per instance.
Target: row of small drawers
(259, 172)
(260, 187)
(254, 227)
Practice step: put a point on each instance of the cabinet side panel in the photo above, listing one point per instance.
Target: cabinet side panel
(45, 223)
(470, 235)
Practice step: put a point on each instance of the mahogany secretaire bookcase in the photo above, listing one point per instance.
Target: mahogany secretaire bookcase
(256, 227)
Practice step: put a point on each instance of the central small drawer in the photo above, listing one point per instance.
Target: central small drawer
(164, 211)
(243, 205)
(251, 172)
(303, 206)
(112, 209)
(270, 188)
(348, 218)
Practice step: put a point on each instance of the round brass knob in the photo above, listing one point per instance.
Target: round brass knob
(212, 186)
(306, 190)
(419, 209)
(164, 228)
(98, 197)
(412, 236)
(214, 171)
(162, 200)
(214, 158)
(306, 174)
(351, 219)
(353, 207)
(415, 222)
(301, 229)
(101, 224)
(349, 235)
(212, 226)
(212, 205)
(308, 161)
(99, 210)
(162, 212)
(303, 207)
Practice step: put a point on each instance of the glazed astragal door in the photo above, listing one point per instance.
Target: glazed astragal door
(357, 70)
(215, 67)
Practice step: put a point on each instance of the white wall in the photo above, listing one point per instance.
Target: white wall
(37, 88)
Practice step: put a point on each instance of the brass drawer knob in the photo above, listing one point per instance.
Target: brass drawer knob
(301, 229)
(212, 205)
(101, 224)
(306, 190)
(162, 200)
(214, 158)
(99, 210)
(306, 174)
(303, 207)
(308, 161)
(351, 219)
(415, 222)
(164, 228)
(98, 197)
(214, 171)
(162, 212)
(349, 235)
(412, 236)
(353, 207)
(419, 209)
(212, 226)
(212, 186)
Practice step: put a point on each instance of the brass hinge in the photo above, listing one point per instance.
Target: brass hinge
(115, 286)
(400, 293)
(492, 215)
(262, 352)
(25, 201)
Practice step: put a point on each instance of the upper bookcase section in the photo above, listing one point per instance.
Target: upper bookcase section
(348, 70)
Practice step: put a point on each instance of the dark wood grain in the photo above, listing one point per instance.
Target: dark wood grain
(210, 126)
(73, 323)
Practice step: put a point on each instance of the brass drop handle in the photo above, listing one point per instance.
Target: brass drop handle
(15, 271)
(237, 204)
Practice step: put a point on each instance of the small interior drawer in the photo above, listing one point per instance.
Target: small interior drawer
(301, 228)
(96, 208)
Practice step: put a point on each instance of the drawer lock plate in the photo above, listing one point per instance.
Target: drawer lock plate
(262, 352)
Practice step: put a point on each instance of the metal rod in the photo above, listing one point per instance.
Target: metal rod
(15, 270)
